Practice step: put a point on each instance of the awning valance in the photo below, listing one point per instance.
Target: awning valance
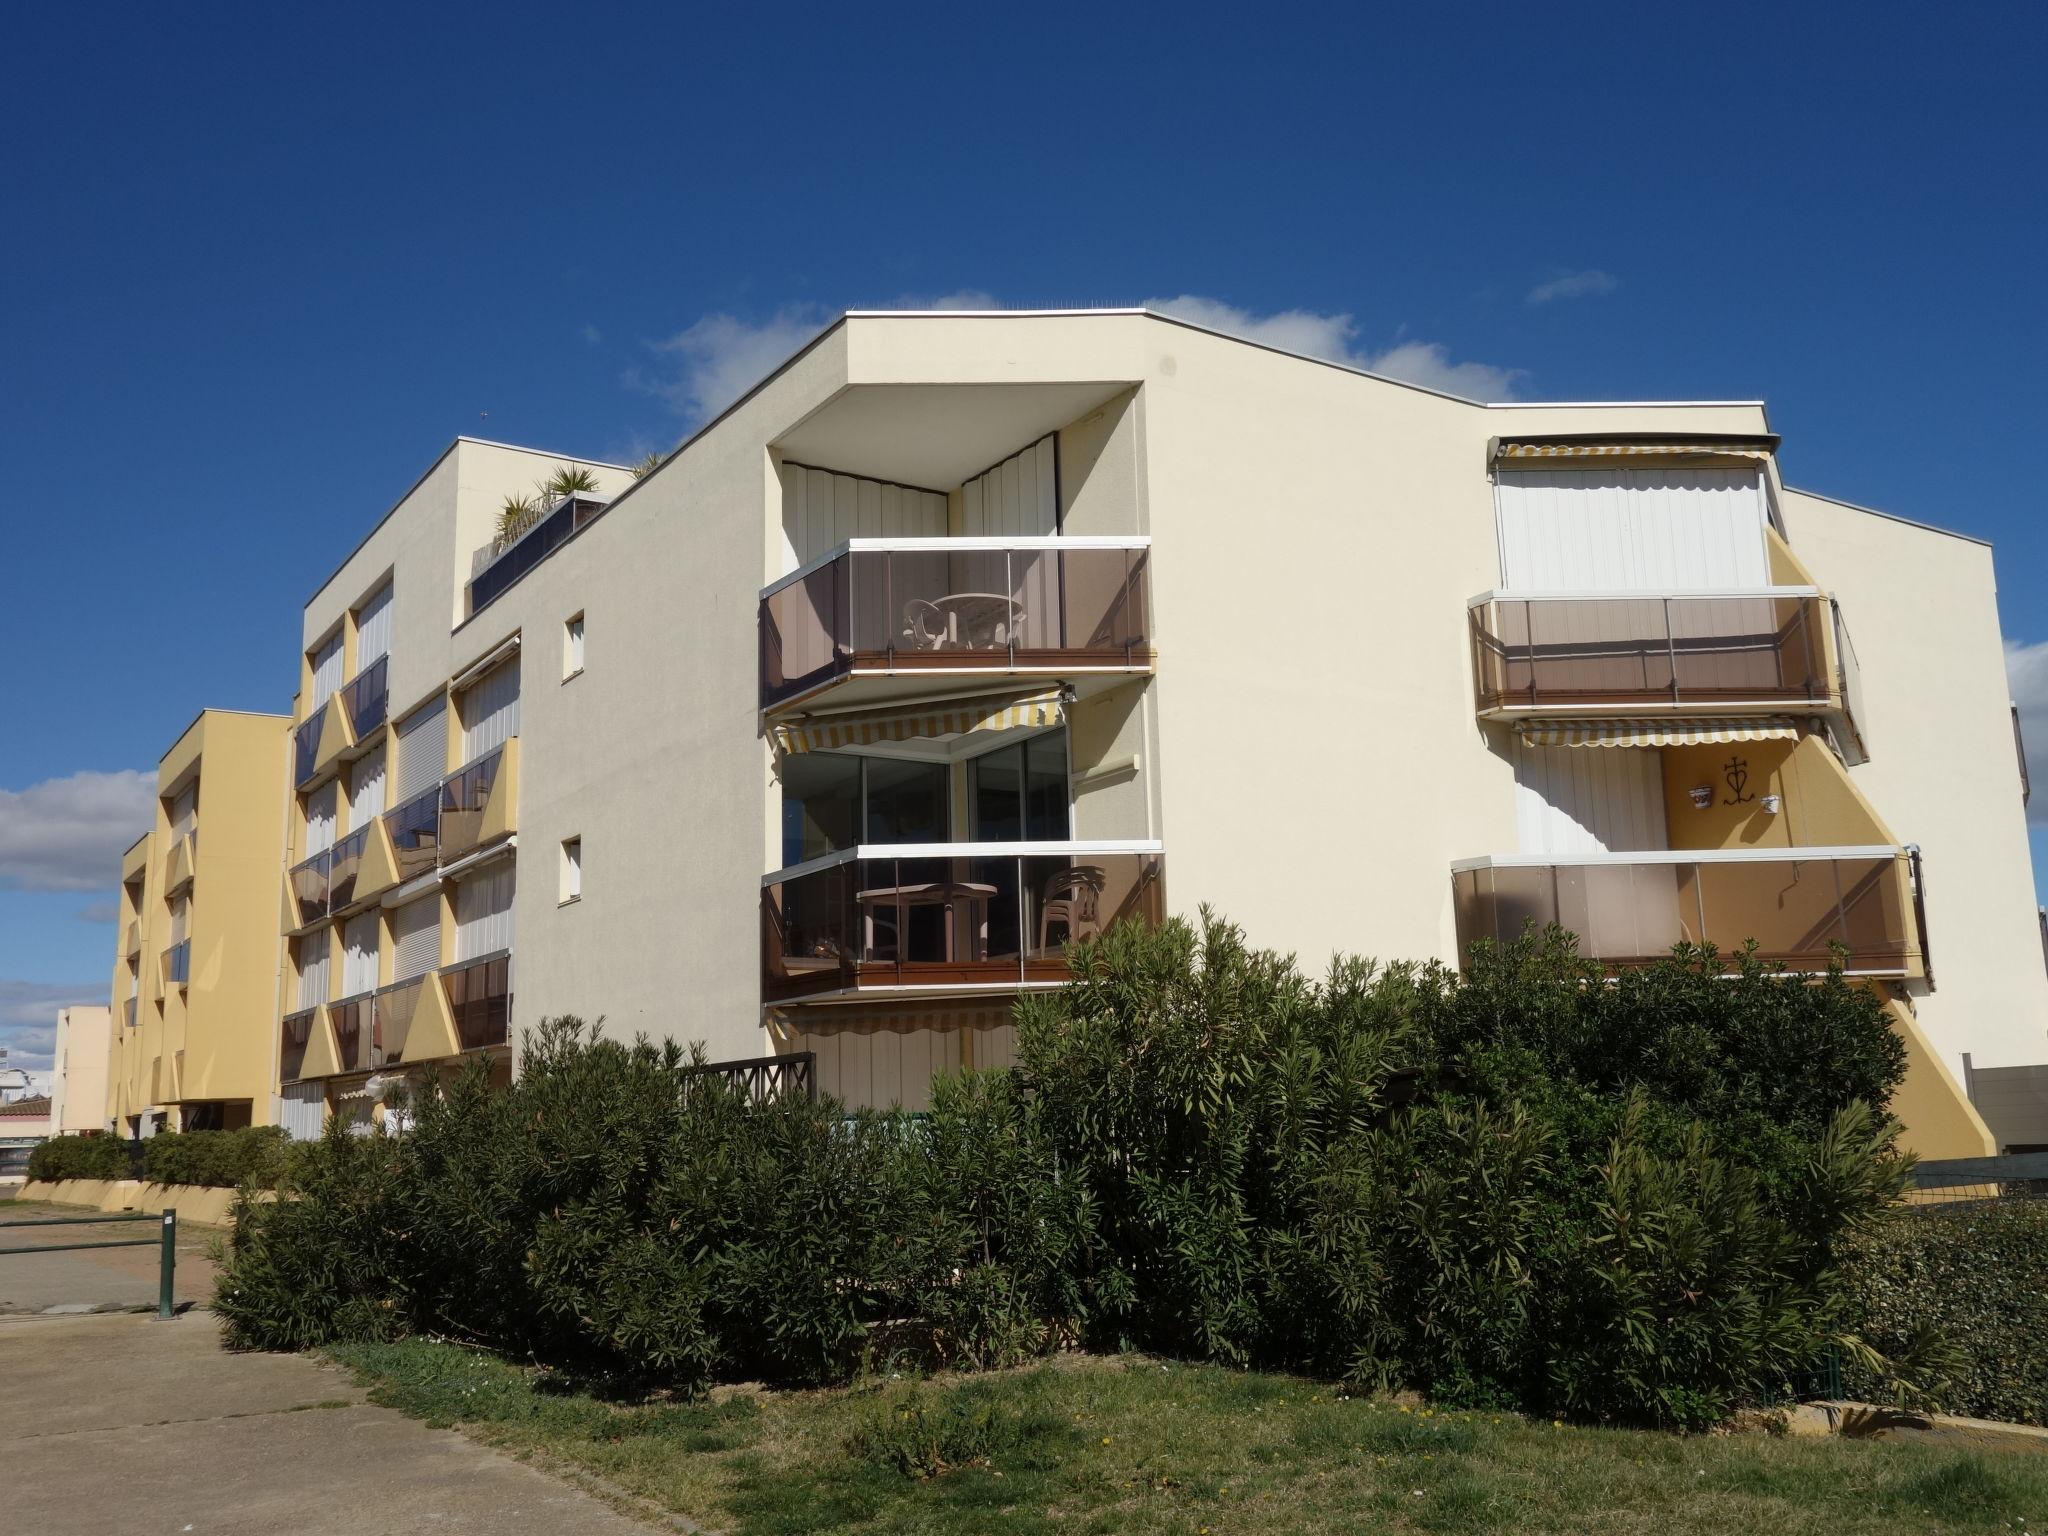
(1654, 733)
(951, 717)
(1513, 452)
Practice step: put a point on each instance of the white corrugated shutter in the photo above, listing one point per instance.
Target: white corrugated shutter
(185, 811)
(320, 809)
(483, 911)
(313, 970)
(1577, 800)
(1020, 496)
(415, 938)
(326, 670)
(821, 509)
(422, 752)
(490, 711)
(1631, 530)
(373, 628)
(365, 789)
(359, 955)
(301, 1110)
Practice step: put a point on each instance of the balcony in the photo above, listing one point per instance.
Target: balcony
(503, 561)
(177, 964)
(306, 746)
(347, 864)
(180, 863)
(1629, 909)
(1594, 653)
(941, 609)
(298, 1033)
(353, 1031)
(366, 698)
(415, 832)
(312, 886)
(477, 802)
(479, 994)
(128, 1013)
(942, 916)
(133, 942)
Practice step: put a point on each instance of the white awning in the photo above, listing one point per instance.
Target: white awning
(1571, 449)
(1654, 733)
(951, 717)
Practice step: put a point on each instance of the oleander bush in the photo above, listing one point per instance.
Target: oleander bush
(1525, 1186)
(1962, 1289)
(79, 1157)
(217, 1159)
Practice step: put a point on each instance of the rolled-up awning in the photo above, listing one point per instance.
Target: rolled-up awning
(1653, 733)
(950, 717)
(1567, 448)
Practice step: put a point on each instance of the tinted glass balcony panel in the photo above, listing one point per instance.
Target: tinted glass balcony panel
(297, 1031)
(498, 565)
(973, 605)
(465, 796)
(306, 746)
(312, 886)
(392, 1019)
(178, 964)
(935, 920)
(1684, 651)
(1629, 912)
(351, 1019)
(347, 861)
(415, 829)
(367, 697)
(480, 998)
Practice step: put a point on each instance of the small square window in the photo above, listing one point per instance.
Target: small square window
(572, 869)
(572, 647)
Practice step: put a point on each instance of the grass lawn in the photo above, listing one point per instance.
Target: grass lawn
(1090, 1444)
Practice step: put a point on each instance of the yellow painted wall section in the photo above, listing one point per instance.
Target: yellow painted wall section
(1939, 1119)
(1822, 807)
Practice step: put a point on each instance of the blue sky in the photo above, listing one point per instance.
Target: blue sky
(262, 265)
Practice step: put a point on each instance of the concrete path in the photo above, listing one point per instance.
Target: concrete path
(119, 1423)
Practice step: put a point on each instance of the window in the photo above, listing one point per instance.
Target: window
(1019, 794)
(572, 648)
(324, 666)
(373, 629)
(572, 869)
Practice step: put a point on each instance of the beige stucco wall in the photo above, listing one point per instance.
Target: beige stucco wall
(78, 1093)
(1921, 609)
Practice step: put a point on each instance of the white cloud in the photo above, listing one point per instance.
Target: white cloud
(68, 834)
(2026, 673)
(1335, 337)
(721, 357)
(1574, 285)
(28, 1018)
(98, 913)
(590, 333)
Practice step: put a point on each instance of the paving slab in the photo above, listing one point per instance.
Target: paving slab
(117, 1422)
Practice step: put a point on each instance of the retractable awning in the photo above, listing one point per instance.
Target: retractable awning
(950, 717)
(1538, 449)
(1653, 733)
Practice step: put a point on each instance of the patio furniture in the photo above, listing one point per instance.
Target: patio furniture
(1073, 900)
(968, 621)
(964, 903)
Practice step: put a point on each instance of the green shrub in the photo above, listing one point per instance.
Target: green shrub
(1964, 1288)
(79, 1157)
(924, 1433)
(217, 1159)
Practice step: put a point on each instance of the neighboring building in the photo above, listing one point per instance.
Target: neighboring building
(195, 969)
(78, 1093)
(961, 636)
(24, 1124)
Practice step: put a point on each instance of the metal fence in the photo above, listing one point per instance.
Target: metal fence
(762, 1078)
(165, 1242)
(1945, 1183)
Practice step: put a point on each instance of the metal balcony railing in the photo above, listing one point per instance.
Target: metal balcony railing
(366, 697)
(312, 886)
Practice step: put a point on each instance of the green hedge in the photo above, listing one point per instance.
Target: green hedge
(1526, 1186)
(79, 1157)
(216, 1159)
(1963, 1288)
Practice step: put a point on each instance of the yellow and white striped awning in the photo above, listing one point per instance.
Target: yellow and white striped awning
(1654, 733)
(951, 717)
(1587, 450)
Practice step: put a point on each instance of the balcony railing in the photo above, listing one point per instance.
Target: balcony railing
(391, 1019)
(465, 797)
(501, 562)
(347, 864)
(957, 605)
(947, 914)
(366, 697)
(134, 940)
(182, 862)
(306, 745)
(178, 964)
(1588, 651)
(480, 999)
(351, 1018)
(297, 1033)
(312, 883)
(1630, 908)
(128, 1012)
(415, 829)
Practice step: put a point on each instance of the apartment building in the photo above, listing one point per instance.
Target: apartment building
(78, 1070)
(963, 636)
(195, 965)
